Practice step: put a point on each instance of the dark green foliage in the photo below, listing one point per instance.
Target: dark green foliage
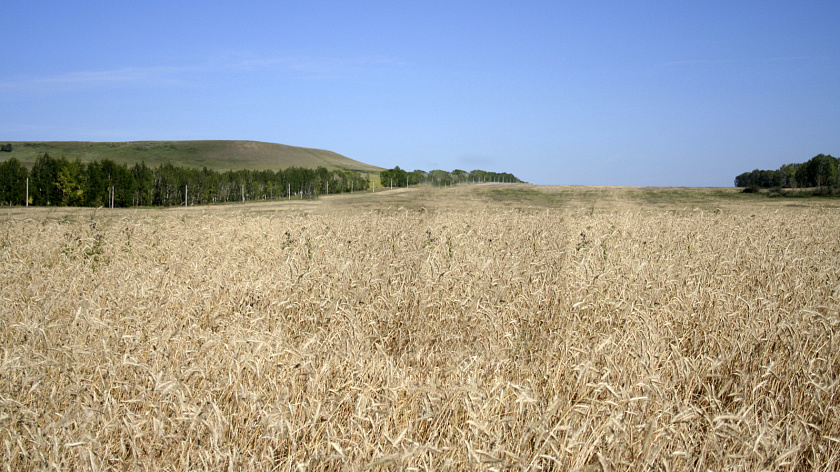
(44, 177)
(480, 176)
(6, 147)
(73, 183)
(395, 177)
(105, 183)
(13, 182)
(439, 178)
(144, 179)
(819, 171)
(416, 176)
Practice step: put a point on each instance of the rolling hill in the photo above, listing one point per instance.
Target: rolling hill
(215, 155)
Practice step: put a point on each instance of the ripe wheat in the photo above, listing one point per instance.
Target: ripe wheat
(440, 340)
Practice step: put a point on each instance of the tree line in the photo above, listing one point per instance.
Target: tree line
(397, 177)
(820, 171)
(62, 182)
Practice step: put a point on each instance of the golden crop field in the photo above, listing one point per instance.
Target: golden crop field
(474, 330)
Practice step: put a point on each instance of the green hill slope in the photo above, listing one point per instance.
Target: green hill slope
(215, 155)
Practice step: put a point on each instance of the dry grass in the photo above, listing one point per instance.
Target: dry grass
(421, 340)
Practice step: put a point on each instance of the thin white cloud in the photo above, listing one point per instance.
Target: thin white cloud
(738, 60)
(184, 76)
(150, 76)
(313, 67)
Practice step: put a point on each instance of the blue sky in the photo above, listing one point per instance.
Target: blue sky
(687, 93)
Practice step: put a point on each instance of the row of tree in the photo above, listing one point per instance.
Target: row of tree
(63, 182)
(106, 183)
(397, 177)
(820, 171)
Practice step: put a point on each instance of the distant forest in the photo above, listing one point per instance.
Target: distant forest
(820, 171)
(61, 182)
(397, 177)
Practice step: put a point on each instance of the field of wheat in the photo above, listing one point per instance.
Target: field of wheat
(405, 339)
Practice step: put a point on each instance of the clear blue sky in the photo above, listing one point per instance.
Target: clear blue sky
(685, 93)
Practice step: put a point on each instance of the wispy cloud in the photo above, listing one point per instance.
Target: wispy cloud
(185, 76)
(132, 76)
(762, 60)
(312, 67)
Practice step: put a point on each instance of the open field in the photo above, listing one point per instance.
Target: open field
(215, 155)
(482, 327)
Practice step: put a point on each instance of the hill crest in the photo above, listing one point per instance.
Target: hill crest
(220, 155)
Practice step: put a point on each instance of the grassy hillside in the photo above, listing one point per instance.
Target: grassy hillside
(216, 155)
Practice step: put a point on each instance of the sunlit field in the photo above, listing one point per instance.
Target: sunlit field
(484, 327)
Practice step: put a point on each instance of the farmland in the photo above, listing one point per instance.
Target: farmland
(479, 327)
